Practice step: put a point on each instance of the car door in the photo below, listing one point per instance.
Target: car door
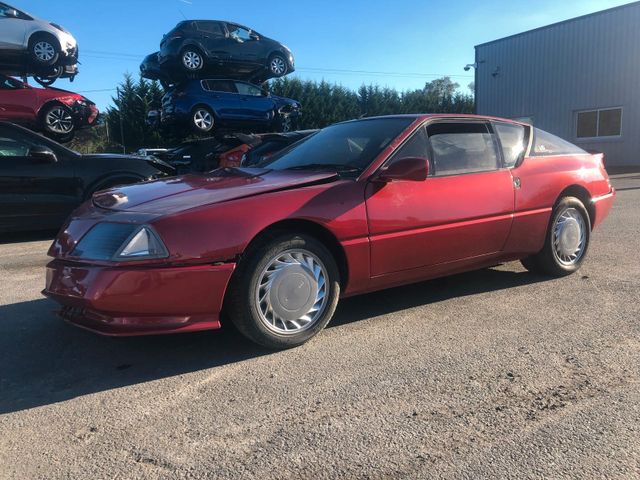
(215, 40)
(17, 101)
(256, 104)
(35, 192)
(13, 30)
(461, 211)
(245, 47)
(224, 99)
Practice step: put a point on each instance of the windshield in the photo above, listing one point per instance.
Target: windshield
(345, 146)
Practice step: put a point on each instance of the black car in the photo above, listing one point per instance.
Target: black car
(201, 155)
(206, 104)
(150, 69)
(41, 181)
(223, 48)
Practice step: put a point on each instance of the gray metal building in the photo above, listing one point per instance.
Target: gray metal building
(578, 79)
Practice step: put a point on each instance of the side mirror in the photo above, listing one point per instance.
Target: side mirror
(44, 154)
(413, 169)
(254, 36)
(11, 12)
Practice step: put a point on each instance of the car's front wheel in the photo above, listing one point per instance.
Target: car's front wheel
(566, 242)
(284, 292)
(277, 65)
(57, 119)
(202, 119)
(44, 50)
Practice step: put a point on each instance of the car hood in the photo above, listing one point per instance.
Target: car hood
(190, 191)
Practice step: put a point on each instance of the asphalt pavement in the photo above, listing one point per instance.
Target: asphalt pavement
(491, 374)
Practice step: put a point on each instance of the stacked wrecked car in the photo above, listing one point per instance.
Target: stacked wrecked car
(33, 47)
(214, 73)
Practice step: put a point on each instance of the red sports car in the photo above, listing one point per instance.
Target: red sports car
(56, 113)
(356, 207)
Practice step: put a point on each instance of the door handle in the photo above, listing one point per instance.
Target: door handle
(516, 182)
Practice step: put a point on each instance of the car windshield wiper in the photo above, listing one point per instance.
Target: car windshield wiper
(337, 167)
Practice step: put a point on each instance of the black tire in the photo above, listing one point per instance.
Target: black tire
(44, 50)
(58, 121)
(548, 261)
(202, 119)
(191, 59)
(48, 80)
(278, 66)
(283, 123)
(243, 308)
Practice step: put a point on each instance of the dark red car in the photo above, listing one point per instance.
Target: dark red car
(56, 113)
(357, 207)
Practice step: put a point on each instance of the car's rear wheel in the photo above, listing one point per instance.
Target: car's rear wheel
(284, 292)
(566, 242)
(191, 59)
(44, 50)
(57, 119)
(202, 119)
(278, 65)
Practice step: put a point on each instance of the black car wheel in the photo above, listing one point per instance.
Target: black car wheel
(202, 119)
(57, 119)
(48, 80)
(284, 291)
(278, 65)
(44, 50)
(566, 242)
(192, 60)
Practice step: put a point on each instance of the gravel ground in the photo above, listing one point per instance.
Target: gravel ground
(496, 373)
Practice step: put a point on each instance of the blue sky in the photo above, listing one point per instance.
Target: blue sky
(411, 41)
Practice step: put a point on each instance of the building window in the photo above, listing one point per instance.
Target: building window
(605, 122)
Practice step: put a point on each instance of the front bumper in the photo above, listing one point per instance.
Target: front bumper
(86, 114)
(125, 301)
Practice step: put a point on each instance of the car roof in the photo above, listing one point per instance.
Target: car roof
(428, 116)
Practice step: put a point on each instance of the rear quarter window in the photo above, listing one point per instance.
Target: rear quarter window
(545, 144)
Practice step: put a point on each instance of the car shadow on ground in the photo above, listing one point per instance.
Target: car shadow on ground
(43, 360)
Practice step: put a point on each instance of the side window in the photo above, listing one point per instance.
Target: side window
(12, 146)
(545, 143)
(416, 146)
(7, 83)
(224, 86)
(247, 89)
(212, 28)
(462, 148)
(513, 140)
(239, 33)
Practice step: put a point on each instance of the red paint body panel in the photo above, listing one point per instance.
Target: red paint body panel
(391, 234)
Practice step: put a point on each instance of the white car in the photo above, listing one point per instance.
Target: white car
(33, 43)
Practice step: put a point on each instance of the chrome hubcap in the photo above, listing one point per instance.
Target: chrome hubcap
(292, 292)
(202, 119)
(278, 66)
(59, 120)
(569, 236)
(192, 60)
(44, 51)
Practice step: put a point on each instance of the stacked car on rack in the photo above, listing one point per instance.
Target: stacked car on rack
(33, 47)
(213, 73)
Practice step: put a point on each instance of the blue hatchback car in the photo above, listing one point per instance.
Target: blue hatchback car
(207, 104)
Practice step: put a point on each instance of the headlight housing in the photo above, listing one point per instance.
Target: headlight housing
(120, 242)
